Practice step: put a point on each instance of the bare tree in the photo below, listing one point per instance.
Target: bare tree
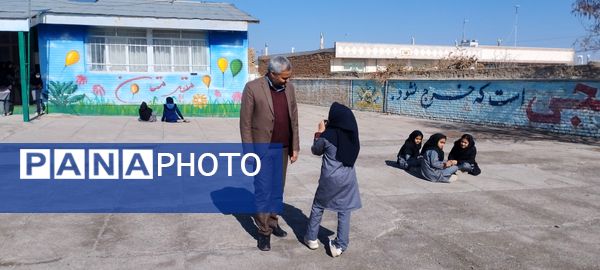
(589, 11)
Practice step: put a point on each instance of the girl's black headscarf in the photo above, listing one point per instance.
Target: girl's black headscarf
(342, 131)
(464, 155)
(410, 147)
(432, 144)
(145, 112)
(170, 100)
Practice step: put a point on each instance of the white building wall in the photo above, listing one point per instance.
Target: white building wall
(483, 53)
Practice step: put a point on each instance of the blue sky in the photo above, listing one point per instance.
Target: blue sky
(287, 24)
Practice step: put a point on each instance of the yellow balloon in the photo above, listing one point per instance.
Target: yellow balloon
(206, 80)
(135, 88)
(72, 58)
(222, 63)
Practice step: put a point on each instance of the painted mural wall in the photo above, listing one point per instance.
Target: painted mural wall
(566, 107)
(72, 88)
(569, 107)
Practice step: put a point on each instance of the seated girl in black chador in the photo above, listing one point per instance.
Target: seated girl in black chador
(407, 156)
(146, 113)
(464, 153)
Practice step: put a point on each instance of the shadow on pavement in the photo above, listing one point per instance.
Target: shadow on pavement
(412, 171)
(298, 221)
(455, 129)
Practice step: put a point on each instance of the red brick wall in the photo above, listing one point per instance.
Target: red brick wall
(304, 65)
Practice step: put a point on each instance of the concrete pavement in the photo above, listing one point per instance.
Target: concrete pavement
(536, 205)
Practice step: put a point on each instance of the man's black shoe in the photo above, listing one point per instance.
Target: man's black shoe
(264, 242)
(279, 232)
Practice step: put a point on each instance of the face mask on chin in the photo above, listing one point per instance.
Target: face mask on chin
(277, 89)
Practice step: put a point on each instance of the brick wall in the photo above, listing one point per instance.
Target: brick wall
(322, 92)
(309, 65)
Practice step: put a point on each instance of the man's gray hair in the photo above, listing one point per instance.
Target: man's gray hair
(279, 64)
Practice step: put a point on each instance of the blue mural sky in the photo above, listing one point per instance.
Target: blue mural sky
(287, 24)
(66, 68)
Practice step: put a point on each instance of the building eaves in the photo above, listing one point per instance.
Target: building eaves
(128, 8)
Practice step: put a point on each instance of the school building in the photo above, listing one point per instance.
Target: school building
(106, 57)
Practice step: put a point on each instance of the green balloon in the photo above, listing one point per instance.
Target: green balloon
(235, 66)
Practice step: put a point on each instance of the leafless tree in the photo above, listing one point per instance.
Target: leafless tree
(589, 12)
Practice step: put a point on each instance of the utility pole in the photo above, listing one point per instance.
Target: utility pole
(465, 21)
(516, 22)
(266, 49)
(322, 43)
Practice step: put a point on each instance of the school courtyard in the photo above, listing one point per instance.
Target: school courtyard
(536, 205)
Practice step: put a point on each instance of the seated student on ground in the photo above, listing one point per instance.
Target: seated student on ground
(146, 113)
(464, 153)
(407, 156)
(171, 113)
(433, 167)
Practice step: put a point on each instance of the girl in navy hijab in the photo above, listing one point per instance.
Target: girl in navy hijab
(338, 143)
(170, 112)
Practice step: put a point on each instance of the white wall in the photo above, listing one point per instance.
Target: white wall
(483, 53)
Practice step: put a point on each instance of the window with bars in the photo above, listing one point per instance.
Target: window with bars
(180, 51)
(133, 50)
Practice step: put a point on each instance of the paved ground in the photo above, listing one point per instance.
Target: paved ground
(535, 206)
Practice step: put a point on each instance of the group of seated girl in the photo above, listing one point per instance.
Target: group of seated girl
(171, 113)
(430, 159)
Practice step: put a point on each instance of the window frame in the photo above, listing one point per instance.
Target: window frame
(129, 41)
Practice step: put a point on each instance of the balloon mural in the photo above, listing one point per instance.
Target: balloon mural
(235, 67)
(206, 80)
(222, 63)
(71, 58)
(134, 89)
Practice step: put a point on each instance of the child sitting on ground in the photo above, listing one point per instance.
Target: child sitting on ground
(464, 153)
(171, 113)
(433, 167)
(146, 113)
(407, 156)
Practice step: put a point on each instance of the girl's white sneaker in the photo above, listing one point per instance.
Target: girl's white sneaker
(312, 244)
(335, 251)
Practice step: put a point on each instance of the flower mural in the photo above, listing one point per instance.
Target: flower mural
(81, 79)
(98, 90)
(200, 101)
(237, 97)
(367, 95)
(217, 93)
